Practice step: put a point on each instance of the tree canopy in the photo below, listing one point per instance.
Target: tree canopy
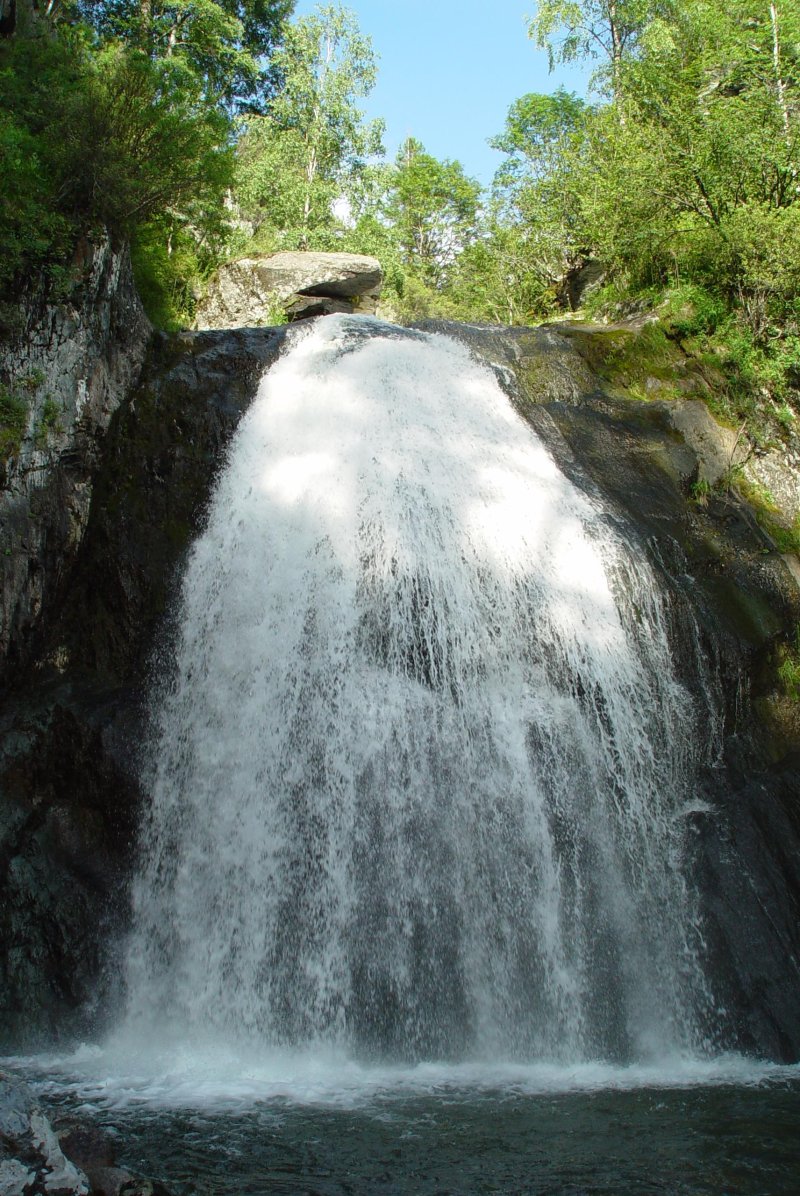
(314, 145)
(202, 129)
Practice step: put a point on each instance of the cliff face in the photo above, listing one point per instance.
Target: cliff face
(72, 722)
(67, 370)
(71, 719)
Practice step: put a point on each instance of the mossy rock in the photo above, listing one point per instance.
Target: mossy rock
(639, 360)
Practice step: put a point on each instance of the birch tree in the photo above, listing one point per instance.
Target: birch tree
(315, 140)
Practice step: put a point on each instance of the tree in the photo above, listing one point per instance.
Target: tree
(433, 207)
(693, 186)
(537, 130)
(315, 144)
(534, 229)
(222, 45)
(606, 29)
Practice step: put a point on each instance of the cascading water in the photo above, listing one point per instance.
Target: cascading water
(419, 777)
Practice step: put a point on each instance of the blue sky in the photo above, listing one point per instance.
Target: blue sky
(449, 69)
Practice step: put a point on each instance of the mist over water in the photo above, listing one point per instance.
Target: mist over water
(421, 773)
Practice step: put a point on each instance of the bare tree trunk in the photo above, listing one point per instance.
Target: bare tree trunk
(311, 174)
(776, 59)
(616, 59)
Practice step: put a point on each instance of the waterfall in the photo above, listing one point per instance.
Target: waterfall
(421, 768)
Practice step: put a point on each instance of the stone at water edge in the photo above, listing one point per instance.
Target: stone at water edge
(32, 1162)
(95, 1152)
(35, 1161)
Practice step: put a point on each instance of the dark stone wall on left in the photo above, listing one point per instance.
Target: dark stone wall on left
(72, 712)
(66, 370)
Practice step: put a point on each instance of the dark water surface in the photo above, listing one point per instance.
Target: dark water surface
(713, 1140)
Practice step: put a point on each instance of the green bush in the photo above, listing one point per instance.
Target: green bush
(692, 310)
(99, 137)
(789, 668)
(13, 418)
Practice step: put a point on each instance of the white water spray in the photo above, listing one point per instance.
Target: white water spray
(419, 778)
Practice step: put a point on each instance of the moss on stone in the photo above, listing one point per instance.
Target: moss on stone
(13, 418)
(639, 361)
(783, 531)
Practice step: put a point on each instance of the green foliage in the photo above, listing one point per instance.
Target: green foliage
(538, 132)
(154, 144)
(40, 80)
(689, 310)
(13, 420)
(606, 29)
(218, 46)
(313, 147)
(685, 184)
(167, 273)
(500, 279)
(701, 491)
(104, 137)
(534, 236)
(432, 207)
(48, 422)
(789, 668)
(119, 114)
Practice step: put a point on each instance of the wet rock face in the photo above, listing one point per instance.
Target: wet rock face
(32, 1162)
(77, 1159)
(72, 722)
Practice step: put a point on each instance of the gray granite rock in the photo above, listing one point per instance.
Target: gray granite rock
(72, 364)
(252, 291)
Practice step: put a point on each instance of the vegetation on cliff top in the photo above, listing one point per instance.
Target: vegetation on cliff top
(202, 131)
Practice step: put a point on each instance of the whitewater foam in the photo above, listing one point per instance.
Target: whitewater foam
(419, 766)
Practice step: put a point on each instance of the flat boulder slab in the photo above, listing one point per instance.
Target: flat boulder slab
(247, 292)
(338, 275)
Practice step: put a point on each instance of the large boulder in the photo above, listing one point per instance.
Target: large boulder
(256, 291)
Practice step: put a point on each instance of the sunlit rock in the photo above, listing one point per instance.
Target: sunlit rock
(260, 290)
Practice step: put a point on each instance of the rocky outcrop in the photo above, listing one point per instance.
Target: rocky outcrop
(70, 725)
(32, 1162)
(251, 291)
(65, 372)
(78, 1160)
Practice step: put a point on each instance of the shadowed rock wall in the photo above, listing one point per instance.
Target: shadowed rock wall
(72, 364)
(71, 721)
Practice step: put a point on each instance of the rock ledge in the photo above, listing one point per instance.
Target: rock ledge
(256, 290)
